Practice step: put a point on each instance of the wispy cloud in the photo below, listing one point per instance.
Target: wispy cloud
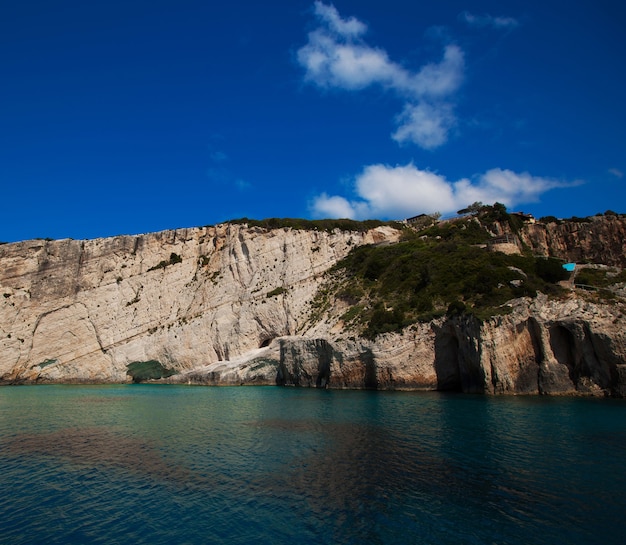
(616, 172)
(220, 172)
(337, 56)
(242, 185)
(217, 171)
(218, 156)
(383, 191)
(346, 27)
(497, 22)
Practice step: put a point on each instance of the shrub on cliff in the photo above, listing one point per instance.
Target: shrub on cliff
(315, 225)
(600, 277)
(442, 272)
(174, 258)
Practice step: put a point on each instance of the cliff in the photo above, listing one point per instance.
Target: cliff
(160, 303)
(598, 239)
(233, 304)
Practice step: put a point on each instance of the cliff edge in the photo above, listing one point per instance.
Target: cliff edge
(239, 304)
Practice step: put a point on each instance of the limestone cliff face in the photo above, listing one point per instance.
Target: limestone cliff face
(600, 239)
(86, 310)
(541, 347)
(232, 305)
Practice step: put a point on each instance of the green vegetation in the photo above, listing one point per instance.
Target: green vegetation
(549, 219)
(442, 270)
(576, 219)
(601, 281)
(550, 270)
(490, 215)
(148, 370)
(46, 363)
(174, 258)
(275, 292)
(600, 278)
(316, 225)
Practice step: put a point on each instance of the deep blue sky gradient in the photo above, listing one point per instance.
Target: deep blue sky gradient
(123, 117)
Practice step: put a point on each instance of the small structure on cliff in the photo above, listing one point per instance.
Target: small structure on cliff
(507, 244)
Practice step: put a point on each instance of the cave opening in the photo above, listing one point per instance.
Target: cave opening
(447, 365)
(563, 343)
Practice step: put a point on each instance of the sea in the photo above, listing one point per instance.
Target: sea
(168, 464)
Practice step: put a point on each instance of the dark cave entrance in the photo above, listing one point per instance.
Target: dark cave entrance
(447, 365)
(563, 344)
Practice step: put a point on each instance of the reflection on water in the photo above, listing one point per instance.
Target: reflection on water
(99, 448)
(149, 464)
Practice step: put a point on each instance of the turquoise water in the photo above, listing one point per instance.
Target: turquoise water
(194, 465)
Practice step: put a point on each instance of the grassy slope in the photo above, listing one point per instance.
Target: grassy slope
(443, 269)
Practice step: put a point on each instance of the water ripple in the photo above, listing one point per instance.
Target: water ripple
(286, 466)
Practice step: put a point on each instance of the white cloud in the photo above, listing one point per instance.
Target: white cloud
(486, 20)
(397, 192)
(616, 172)
(350, 66)
(424, 125)
(325, 206)
(400, 189)
(345, 27)
(336, 56)
(440, 79)
(505, 186)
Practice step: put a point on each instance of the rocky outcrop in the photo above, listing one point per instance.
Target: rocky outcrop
(135, 307)
(598, 239)
(234, 305)
(541, 347)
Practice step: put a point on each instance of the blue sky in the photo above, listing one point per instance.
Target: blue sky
(124, 117)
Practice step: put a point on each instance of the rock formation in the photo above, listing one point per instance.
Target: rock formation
(232, 304)
(85, 310)
(598, 239)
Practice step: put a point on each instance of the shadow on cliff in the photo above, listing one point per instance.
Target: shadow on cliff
(587, 357)
(457, 356)
(305, 364)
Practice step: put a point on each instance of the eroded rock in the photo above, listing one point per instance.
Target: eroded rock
(232, 305)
